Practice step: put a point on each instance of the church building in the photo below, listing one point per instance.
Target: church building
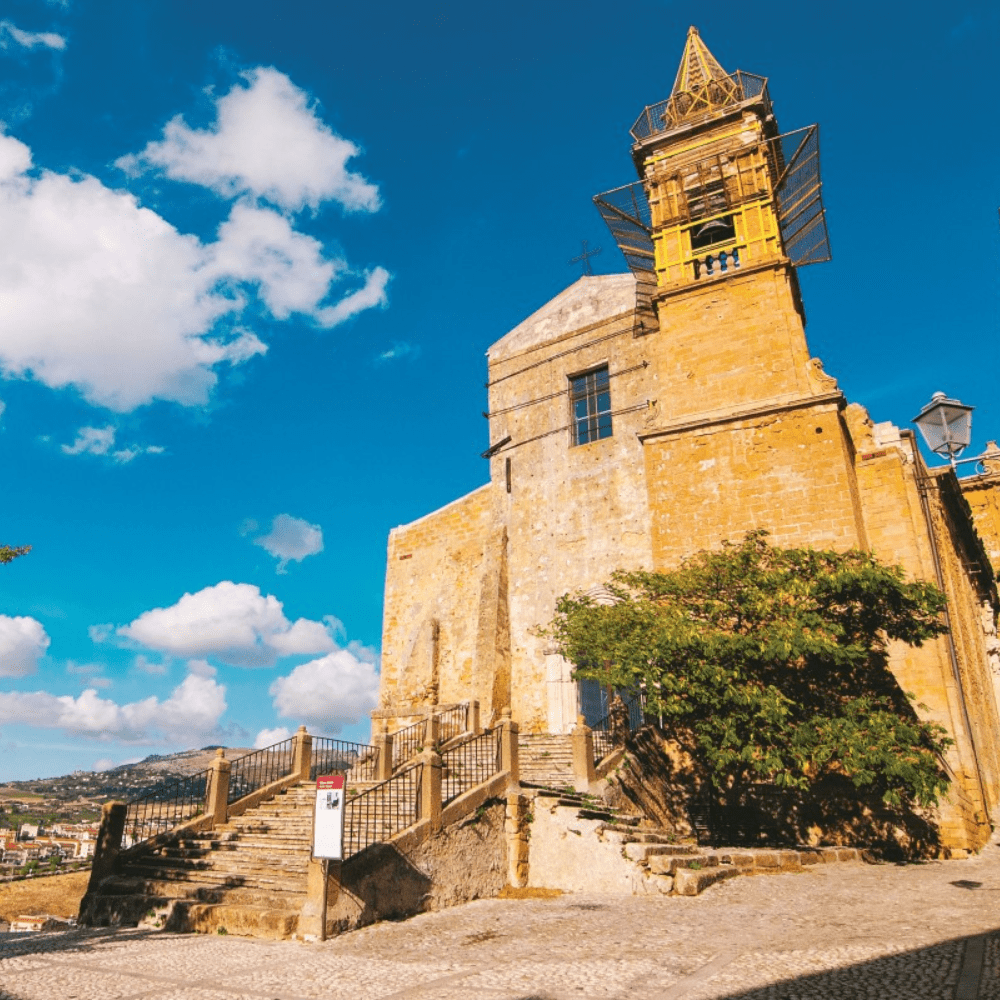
(638, 418)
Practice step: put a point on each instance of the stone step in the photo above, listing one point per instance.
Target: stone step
(692, 881)
(670, 864)
(637, 836)
(219, 873)
(642, 852)
(187, 915)
(202, 891)
(225, 880)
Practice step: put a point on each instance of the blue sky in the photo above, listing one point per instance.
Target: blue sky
(252, 256)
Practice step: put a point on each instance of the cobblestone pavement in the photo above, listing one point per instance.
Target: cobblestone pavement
(919, 932)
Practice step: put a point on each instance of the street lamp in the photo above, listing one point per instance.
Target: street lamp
(946, 425)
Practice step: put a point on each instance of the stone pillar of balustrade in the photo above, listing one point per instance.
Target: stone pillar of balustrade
(583, 756)
(217, 793)
(472, 717)
(108, 845)
(432, 730)
(508, 749)
(302, 754)
(382, 742)
(430, 788)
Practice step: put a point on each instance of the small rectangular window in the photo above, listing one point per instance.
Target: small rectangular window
(590, 398)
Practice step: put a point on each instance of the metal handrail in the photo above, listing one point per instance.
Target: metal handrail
(383, 811)
(407, 742)
(358, 760)
(452, 722)
(254, 770)
(164, 807)
(601, 730)
(469, 764)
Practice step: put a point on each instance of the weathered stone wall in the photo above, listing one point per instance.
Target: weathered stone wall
(463, 861)
(574, 513)
(983, 495)
(909, 524)
(732, 343)
(436, 581)
(788, 472)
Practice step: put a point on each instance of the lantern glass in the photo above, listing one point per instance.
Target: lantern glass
(946, 425)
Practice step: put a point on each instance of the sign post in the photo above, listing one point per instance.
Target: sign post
(328, 831)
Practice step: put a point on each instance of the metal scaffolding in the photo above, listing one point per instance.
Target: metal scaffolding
(721, 185)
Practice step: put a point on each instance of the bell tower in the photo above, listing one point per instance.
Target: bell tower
(745, 429)
(719, 188)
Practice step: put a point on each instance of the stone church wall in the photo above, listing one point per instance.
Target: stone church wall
(574, 512)
(788, 472)
(433, 589)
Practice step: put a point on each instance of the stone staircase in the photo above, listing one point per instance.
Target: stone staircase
(245, 876)
(546, 759)
(578, 844)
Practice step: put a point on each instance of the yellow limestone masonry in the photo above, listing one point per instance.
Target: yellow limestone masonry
(721, 422)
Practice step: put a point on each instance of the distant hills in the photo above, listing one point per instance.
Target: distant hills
(82, 792)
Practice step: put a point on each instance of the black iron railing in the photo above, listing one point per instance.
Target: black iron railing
(260, 768)
(165, 807)
(408, 742)
(688, 104)
(603, 731)
(383, 811)
(357, 760)
(470, 764)
(452, 722)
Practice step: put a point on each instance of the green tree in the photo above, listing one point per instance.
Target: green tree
(771, 664)
(10, 552)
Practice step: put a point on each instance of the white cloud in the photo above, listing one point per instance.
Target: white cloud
(99, 293)
(201, 668)
(104, 764)
(231, 622)
(29, 39)
(327, 693)
(101, 440)
(291, 538)
(400, 349)
(92, 441)
(190, 715)
(268, 737)
(266, 141)
(370, 295)
(141, 663)
(259, 245)
(90, 674)
(23, 642)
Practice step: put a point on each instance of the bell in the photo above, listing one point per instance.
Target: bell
(716, 229)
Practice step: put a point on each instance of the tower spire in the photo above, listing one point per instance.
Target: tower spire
(698, 66)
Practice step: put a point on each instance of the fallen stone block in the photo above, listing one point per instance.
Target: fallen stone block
(692, 881)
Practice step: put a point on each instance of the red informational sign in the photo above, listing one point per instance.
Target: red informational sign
(328, 818)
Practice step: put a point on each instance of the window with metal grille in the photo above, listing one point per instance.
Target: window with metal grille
(590, 397)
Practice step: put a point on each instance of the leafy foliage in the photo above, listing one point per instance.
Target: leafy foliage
(771, 664)
(10, 552)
